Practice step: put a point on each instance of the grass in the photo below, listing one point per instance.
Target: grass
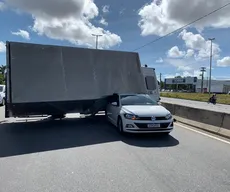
(221, 98)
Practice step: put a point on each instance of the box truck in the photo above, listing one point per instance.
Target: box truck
(55, 80)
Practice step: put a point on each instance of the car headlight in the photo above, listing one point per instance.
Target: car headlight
(169, 116)
(131, 116)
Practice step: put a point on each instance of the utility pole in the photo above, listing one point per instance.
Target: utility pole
(96, 39)
(210, 72)
(203, 69)
(160, 82)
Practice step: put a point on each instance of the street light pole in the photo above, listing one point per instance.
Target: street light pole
(96, 39)
(210, 69)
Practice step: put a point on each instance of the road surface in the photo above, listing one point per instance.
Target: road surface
(2, 114)
(198, 104)
(88, 155)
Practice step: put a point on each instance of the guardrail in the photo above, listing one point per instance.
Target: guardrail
(215, 122)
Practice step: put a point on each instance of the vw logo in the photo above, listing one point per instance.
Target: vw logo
(153, 118)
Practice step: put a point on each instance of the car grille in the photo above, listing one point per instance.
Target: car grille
(150, 118)
(145, 125)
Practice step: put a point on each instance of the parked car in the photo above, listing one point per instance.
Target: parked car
(138, 113)
(2, 95)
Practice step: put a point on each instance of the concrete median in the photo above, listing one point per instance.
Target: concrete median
(212, 121)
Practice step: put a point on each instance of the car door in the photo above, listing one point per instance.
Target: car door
(109, 108)
(115, 109)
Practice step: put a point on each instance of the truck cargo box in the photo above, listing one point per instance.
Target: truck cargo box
(42, 79)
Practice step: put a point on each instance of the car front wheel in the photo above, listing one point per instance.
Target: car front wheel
(120, 125)
(3, 102)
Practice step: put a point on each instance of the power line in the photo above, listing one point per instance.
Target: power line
(155, 40)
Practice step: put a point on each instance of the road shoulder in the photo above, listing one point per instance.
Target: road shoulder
(204, 127)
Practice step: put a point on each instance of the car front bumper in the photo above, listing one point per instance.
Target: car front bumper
(137, 126)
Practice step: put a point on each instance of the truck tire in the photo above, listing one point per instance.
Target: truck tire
(59, 116)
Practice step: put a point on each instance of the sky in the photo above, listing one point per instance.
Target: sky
(127, 26)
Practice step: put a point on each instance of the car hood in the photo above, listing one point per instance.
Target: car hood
(146, 110)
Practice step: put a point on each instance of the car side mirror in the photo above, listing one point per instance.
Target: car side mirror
(114, 103)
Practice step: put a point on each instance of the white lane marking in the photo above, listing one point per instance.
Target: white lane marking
(205, 134)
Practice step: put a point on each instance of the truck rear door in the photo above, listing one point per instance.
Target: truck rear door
(151, 83)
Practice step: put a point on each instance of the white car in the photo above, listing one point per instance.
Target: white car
(138, 113)
(2, 94)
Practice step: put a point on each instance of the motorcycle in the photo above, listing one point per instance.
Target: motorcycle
(212, 100)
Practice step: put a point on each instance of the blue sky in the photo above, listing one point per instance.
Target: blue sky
(126, 25)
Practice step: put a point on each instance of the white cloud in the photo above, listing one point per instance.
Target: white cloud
(66, 20)
(2, 47)
(122, 11)
(196, 56)
(171, 75)
(195, 73)
(103, 22)
(180, 64)
(162, 17)
(2, 6)
(160, 60)
(22, 33)
(225, 62)
(105, 8)
(189, 53)
(174, 52)
(198, 43)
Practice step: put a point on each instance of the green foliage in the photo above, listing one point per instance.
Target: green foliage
(221, 98)
(2, 69)
(2, 79)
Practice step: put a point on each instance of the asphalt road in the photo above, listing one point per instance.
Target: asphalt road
(198, 104)
(2, 114)
(88, 155)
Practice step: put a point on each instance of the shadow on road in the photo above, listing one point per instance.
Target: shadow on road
(30, 137)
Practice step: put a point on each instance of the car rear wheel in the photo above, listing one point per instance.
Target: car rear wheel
(120, 125)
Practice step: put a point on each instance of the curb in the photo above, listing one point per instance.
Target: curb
(205, 127)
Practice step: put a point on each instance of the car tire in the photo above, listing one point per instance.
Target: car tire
(3, 102)
(120, 125)
(106, 114)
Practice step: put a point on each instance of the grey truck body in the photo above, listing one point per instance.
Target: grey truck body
(47, 79)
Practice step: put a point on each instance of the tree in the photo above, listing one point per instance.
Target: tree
(162, 84)
(1, 79)
(2, 69)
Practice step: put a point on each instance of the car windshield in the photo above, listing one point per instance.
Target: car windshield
(1, 88)
(137, 100)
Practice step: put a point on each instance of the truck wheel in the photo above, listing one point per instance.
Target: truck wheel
(61, 116)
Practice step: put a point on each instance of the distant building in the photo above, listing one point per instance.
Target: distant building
(193, 84)
(217, 86)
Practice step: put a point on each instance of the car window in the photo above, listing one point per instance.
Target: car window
(1, 88)
(150, 83)
(137, 100)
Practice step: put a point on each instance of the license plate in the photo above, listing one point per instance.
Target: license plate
(154, 125)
